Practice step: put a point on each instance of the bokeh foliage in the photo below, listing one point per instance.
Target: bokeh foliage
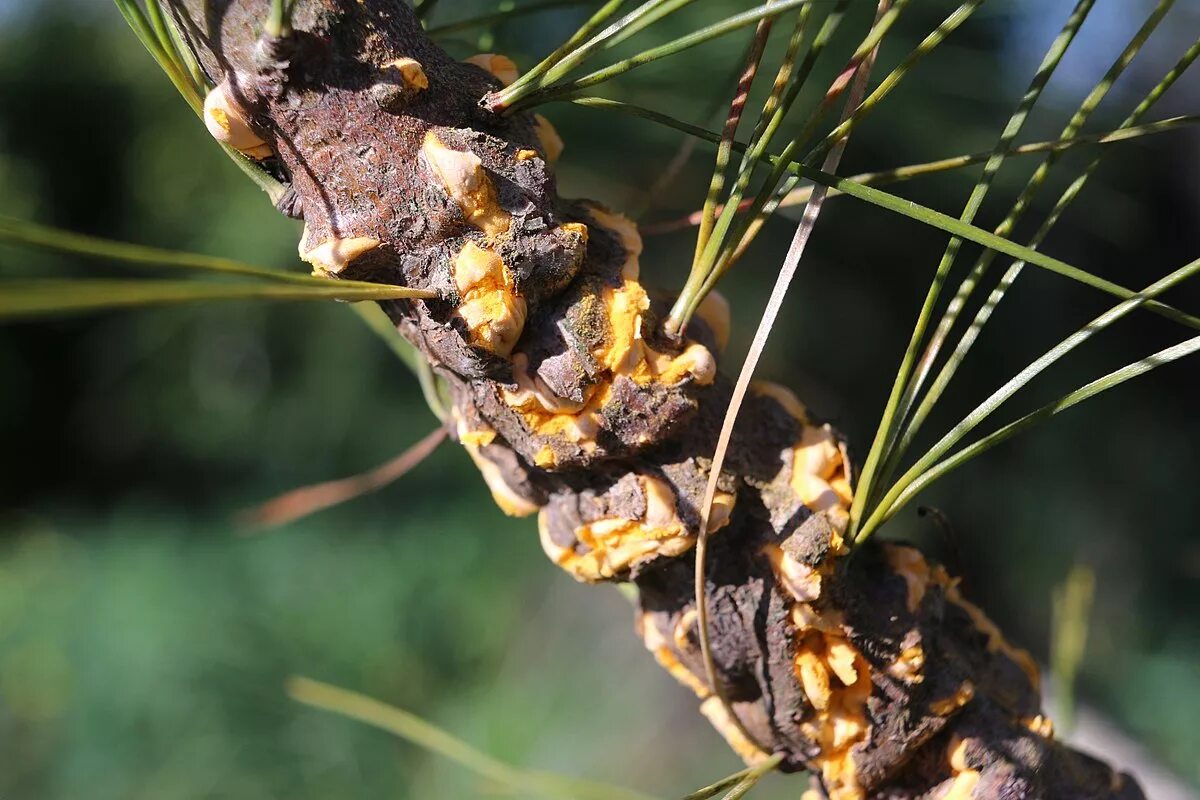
(143, 642)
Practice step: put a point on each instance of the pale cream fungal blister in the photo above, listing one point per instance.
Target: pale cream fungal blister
(411, 73)
(473, 440)
(965, 779)
(918, 575)
(333, 255)
(801, 581)
(494, 314)
(623, 353)
(834, 676)
(714, 311)
(501, 67)
(909, 666)
(227, 123)
(609, 547)
(552, 143)
(463, 177)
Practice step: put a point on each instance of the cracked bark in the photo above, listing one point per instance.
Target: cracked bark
(873, 672)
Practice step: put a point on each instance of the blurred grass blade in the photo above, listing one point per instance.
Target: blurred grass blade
(1071, 606)
(742, 780)
(753, 776)
(307, 500)
(403, 724)
(900, 398)
(52, 297)
(428, 736)
(1109, 381)
(714, 789)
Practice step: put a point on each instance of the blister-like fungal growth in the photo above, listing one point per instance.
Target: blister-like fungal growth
(497, 465)
(799, 580)
(918, 575)
(490, 308)
(945, 706)
(908, 665)
(714, 311)
(552, 143)
(965, 779)
(228, 123)
(837, 682)
(331, 256)
(500, 67)
(871, 671)
(400, 81)
(626, 353)
(601, 537)
(627, 234)
(602, 379)
(835, 677)
(817, 462)
(412, 74)
(466, 181)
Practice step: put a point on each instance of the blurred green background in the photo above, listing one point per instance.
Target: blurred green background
(144, 639)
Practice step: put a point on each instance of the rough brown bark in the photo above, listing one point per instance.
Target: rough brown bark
(872, 671)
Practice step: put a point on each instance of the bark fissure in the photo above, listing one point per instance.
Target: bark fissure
(872, 672)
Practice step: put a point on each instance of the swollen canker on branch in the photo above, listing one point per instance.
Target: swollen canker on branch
(866, 667)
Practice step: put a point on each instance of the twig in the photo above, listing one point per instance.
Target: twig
(307, 500)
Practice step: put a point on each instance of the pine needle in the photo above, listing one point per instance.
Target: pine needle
(741, 387)
(32, 299)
